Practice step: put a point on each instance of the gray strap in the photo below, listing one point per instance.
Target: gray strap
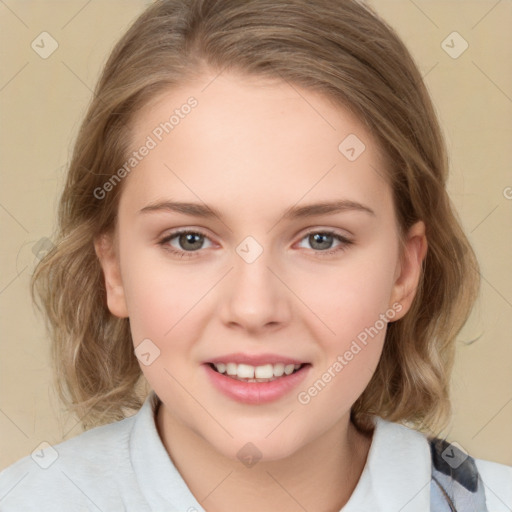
(456, 485)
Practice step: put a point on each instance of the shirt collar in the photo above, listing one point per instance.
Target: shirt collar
(396, 476)
(397, 473)
(160, 482)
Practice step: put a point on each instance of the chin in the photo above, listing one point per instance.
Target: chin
(247, 445)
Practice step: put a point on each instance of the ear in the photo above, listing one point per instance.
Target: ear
(409, 268)
(106, 249)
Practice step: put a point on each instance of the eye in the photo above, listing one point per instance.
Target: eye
(322, 241)
(187, 242)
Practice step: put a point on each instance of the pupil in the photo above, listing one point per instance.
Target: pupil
(189, 238)
(317, 239)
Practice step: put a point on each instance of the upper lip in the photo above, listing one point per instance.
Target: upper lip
(255, 359)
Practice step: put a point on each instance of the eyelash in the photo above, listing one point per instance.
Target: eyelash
(345, 242)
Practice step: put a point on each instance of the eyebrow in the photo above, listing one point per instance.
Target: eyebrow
(294, 212)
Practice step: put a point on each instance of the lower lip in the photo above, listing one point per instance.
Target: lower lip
(256, 392)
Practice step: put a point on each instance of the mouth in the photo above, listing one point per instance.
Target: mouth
(261, 373)
(269, 377)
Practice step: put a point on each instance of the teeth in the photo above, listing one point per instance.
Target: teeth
(288, 369)
(244, 371)
(256, 373)
(278, 369)
(230, 368)
(264, 372)
(221, 367)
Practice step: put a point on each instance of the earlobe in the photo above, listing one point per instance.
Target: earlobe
(106, 252)
(409, 268)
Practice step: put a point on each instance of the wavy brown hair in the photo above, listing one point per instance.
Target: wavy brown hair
(339, 48)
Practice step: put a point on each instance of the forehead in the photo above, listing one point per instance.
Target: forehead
(225, 137)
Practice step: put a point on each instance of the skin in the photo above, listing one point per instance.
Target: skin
(251, 149)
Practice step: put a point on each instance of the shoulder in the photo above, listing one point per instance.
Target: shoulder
(456, 477)
(69, 474)
(466, 479)
(497, 479)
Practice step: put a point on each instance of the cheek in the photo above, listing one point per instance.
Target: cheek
(163, 307)
(333, 389)
(160, 297)
(352, 299)
(355, 313)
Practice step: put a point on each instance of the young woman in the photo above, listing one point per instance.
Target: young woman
(256, 222)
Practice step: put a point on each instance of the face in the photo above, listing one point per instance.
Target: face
(262, 280)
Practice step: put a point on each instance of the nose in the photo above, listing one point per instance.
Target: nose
(254, 297)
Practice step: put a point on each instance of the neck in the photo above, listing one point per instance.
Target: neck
(320, 476)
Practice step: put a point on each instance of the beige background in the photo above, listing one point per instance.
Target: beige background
(42, 101)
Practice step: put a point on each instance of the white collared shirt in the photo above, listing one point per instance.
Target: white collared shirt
(124, 467)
